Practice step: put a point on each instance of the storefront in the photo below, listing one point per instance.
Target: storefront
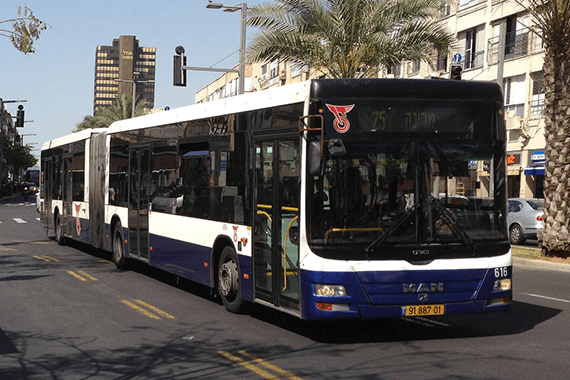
(534, 173)
(514, 174)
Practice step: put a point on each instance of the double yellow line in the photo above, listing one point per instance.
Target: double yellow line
(255, 364)
(147, 309)
(47, 258)
(81, 275)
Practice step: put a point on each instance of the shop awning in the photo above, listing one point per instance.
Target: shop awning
(534, 170)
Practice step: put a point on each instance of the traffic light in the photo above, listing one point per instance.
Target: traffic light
(20, 117)
(455, 71)
(179, 63)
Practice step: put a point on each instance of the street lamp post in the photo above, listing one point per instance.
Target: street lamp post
(134, 83)
(243, 8)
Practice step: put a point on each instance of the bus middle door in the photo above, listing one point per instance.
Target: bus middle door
(67, 196)
(139, 187)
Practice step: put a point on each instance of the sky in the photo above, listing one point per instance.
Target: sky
(58, 79)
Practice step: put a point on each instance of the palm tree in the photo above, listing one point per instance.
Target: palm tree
(348, 38)
(118, 111)
(553, 24)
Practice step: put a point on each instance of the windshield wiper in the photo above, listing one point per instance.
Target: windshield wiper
(449, 219)
(394, 228)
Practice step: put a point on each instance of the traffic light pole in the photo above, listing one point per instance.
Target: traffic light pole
(2, 116)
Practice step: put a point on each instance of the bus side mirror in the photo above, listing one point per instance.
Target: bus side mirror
(315, 163)
(336, 147)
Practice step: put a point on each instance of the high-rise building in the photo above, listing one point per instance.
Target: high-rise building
(126, 61)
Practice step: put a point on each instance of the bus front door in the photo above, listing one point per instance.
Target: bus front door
(276, 231)
(139, 186)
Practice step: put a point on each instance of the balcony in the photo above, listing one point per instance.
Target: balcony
(517, 44)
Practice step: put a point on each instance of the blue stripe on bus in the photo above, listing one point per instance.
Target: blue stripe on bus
(381, 294)
(181, 258)
(193, 262)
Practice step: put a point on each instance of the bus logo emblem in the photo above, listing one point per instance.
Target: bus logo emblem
(78, 221)
(235, 233)
(341, 123)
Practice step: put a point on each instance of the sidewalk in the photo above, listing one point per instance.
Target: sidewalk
(523, 262)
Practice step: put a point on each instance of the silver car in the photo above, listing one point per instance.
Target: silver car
(525, 217)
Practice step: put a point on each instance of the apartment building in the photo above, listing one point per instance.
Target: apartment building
(117, 66)
(481, 28)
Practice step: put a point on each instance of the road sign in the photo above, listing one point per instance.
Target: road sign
(457, 57)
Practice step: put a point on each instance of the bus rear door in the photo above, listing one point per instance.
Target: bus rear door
(139, 187)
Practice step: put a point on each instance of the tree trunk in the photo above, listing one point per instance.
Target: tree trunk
(554, 239)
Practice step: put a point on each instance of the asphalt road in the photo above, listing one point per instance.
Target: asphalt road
(67, 313)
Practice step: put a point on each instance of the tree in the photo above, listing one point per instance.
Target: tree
(18, 156)
(348, 38)
(118, 111)
(25, 29)
(552, 19)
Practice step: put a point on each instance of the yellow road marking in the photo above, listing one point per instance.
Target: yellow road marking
(247, 365)
(155, 309)
(6, 249)
(140, 309)
(47, 258)
(76, 275)
(88, 276)
(272, 367)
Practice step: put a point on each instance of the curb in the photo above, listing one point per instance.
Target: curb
(522, 262)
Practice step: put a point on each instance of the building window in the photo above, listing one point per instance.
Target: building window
(445, 10)
(537, 103)
(274, 72)
(415, 66)
(442, 62)
(395, 70)
(473, 41)
(297, 68)
(515, 91)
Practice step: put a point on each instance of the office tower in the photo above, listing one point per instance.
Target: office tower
(117, 66)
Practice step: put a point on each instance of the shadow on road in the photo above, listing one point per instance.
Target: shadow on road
(521, 317)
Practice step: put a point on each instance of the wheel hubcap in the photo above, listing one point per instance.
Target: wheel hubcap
(227, 278)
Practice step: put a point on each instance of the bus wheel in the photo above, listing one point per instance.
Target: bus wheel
(228, 281)
(59, 238)
(118, 247)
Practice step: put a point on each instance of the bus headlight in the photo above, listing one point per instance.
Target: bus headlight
(503, 284)
(326, 290)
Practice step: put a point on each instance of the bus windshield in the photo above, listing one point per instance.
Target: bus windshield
(410, 194)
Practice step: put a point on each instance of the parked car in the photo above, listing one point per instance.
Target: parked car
(525, 217)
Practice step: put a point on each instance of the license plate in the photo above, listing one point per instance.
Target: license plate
(421, 310)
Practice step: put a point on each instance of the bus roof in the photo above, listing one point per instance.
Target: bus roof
(290, 94)
(298, 92)
(406, 88)
(73, 137)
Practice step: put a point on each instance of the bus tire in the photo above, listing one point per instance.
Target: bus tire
(229, 281)
(59, 238)
(118, 247)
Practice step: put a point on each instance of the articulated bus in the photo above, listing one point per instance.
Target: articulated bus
(327, 199)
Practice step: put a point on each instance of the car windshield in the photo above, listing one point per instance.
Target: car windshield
(412, 193)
